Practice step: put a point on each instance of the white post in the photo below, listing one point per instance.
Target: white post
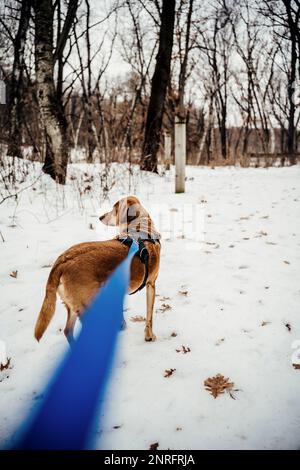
(167, 150)
(180, 152)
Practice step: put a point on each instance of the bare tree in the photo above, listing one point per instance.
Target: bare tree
(254, 79)
(216, 41)
(15, 104)
(284, 18)
(160, 81)
(53, 119)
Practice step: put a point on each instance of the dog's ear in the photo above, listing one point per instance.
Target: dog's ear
(128, 210)
(133, 212)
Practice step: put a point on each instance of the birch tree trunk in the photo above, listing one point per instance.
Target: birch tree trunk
(17, 85)
(53, 121)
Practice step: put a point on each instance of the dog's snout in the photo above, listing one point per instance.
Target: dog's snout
(101, 217)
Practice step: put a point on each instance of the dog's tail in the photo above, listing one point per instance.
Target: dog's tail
(48, 307)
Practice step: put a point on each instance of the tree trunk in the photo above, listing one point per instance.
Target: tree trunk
(55, 140)
(292, 107)
(223, 134)
(159, 86)
(17, 85)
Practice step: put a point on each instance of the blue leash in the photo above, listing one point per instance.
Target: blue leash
(76, 392)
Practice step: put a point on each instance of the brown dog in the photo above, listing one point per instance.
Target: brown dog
(81, 270)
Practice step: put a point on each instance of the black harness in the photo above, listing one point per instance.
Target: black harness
(142, 254)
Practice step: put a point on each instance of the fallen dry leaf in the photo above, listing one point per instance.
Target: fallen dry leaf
(287, 262)
(296, 366)
(137, 318)
(154, 446)
(14, 274)
(183, 349)
(183, 292)
(169, 372)
(220, 341)
(264, 323)
(288, 326)
(164, 307)
(217, 385)
(5, 366)
(174, 334)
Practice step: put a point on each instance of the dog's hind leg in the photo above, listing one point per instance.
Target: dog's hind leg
(150, 294)
(69, 328)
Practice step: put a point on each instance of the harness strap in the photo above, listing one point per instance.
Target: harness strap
(143, 255)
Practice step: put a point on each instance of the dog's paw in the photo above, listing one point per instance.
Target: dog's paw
(149, 336)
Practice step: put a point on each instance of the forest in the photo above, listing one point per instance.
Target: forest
(104, 81)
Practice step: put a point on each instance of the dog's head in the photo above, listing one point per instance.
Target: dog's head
(130, 217)
(123, 212)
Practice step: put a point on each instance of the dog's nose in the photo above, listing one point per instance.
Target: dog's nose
(101, 217)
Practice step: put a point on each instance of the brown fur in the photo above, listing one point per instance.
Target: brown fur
(80, 271)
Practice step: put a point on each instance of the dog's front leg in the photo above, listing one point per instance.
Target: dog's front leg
(150, 293)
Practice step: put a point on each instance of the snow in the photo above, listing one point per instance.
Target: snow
(232, 284)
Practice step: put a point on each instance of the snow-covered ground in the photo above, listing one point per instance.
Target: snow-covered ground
(228, 288)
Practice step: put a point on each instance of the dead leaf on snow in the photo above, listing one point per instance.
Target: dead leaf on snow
(183, 349)
(169, 372)
(174, 334)
(288, 326)
(137, 318)
(296, 366)
(154, 446)
(218, 384)
(220, 341)
(164, 307)
(183, 292)
(14, 274)
(264, 323)
(287, 262)
(5, 366)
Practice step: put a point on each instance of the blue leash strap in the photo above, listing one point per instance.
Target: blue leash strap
(76, 391)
